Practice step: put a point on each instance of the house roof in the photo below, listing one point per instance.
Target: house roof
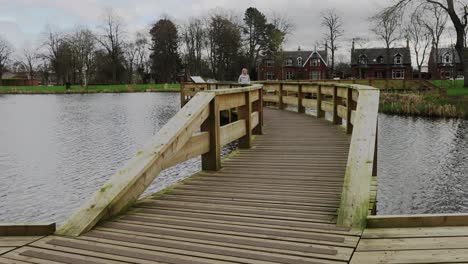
(443, 51)
(373, 54)
(304, 54)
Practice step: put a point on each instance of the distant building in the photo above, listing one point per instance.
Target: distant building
(294, 65)
(18, 79)
(444, 63)
(372, 63)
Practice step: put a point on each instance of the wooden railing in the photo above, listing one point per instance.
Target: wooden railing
(189, 90)
(358, 106)
(195, 130)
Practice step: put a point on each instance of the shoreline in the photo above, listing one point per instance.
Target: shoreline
(175, 90)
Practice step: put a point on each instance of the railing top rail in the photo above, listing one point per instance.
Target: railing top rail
(331, 84)
(253, 87)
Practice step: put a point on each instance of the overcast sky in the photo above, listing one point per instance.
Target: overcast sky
(22, 21)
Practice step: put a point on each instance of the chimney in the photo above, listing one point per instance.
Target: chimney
(352, 47)
(299, 48)
(407, 43)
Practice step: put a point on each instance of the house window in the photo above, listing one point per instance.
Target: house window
(447, 58)
(289, 75)
(315, 62)
(270, 76)
(398, 74)
(363, 59)
(299, 61)
(269, 63)
(380, 60)
(315, 75)
(289, 62)
(398, 59)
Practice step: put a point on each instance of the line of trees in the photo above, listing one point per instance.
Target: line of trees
(216, 45)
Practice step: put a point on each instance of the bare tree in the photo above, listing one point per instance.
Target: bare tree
(193, 37)
(53, 40)
(420, 37)
(112, 39)
(83, 45)
(334, 30)
(283, 24)
(142, 56)
(30, 61)
(386, 27)
(458, 13)
(5, 52)
(130, 53)
(434, 20)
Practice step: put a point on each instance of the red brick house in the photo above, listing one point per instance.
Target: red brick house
(444, 63)
(294, 65)
(372, 63)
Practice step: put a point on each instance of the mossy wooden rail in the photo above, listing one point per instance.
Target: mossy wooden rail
(357, 105)
(195, 130)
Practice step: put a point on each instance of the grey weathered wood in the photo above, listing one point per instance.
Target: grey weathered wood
(356, 189)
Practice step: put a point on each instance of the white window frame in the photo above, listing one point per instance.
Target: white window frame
(380, 60)
(269, 63)
(270, 76)
(398, 74)
(398, 59)
(300, 61)
(315, 62)
(289, 75)
(447, 55)
(289, 62)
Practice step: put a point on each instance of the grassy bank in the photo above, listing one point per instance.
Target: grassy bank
(119, 88)
(429, 104)
(450, 101)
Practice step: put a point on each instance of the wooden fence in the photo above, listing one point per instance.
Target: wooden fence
(195, 130)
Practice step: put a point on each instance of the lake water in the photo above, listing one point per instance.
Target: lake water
(56, 150)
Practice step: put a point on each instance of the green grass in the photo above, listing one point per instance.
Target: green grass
(453, 87)
(119, 88)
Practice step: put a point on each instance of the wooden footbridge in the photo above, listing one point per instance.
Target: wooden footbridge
(300, 189)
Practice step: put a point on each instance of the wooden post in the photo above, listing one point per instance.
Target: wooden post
(355, 197)
(349, 109)
(258, 107)
(300, 96)
(281, 105)
(244, 112)
(320, 113)
(211, 161)
(374, 168)
(182, 95)
(336, 101)
(370, 82)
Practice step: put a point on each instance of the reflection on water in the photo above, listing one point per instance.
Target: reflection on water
(423, 165)
(56, 150)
